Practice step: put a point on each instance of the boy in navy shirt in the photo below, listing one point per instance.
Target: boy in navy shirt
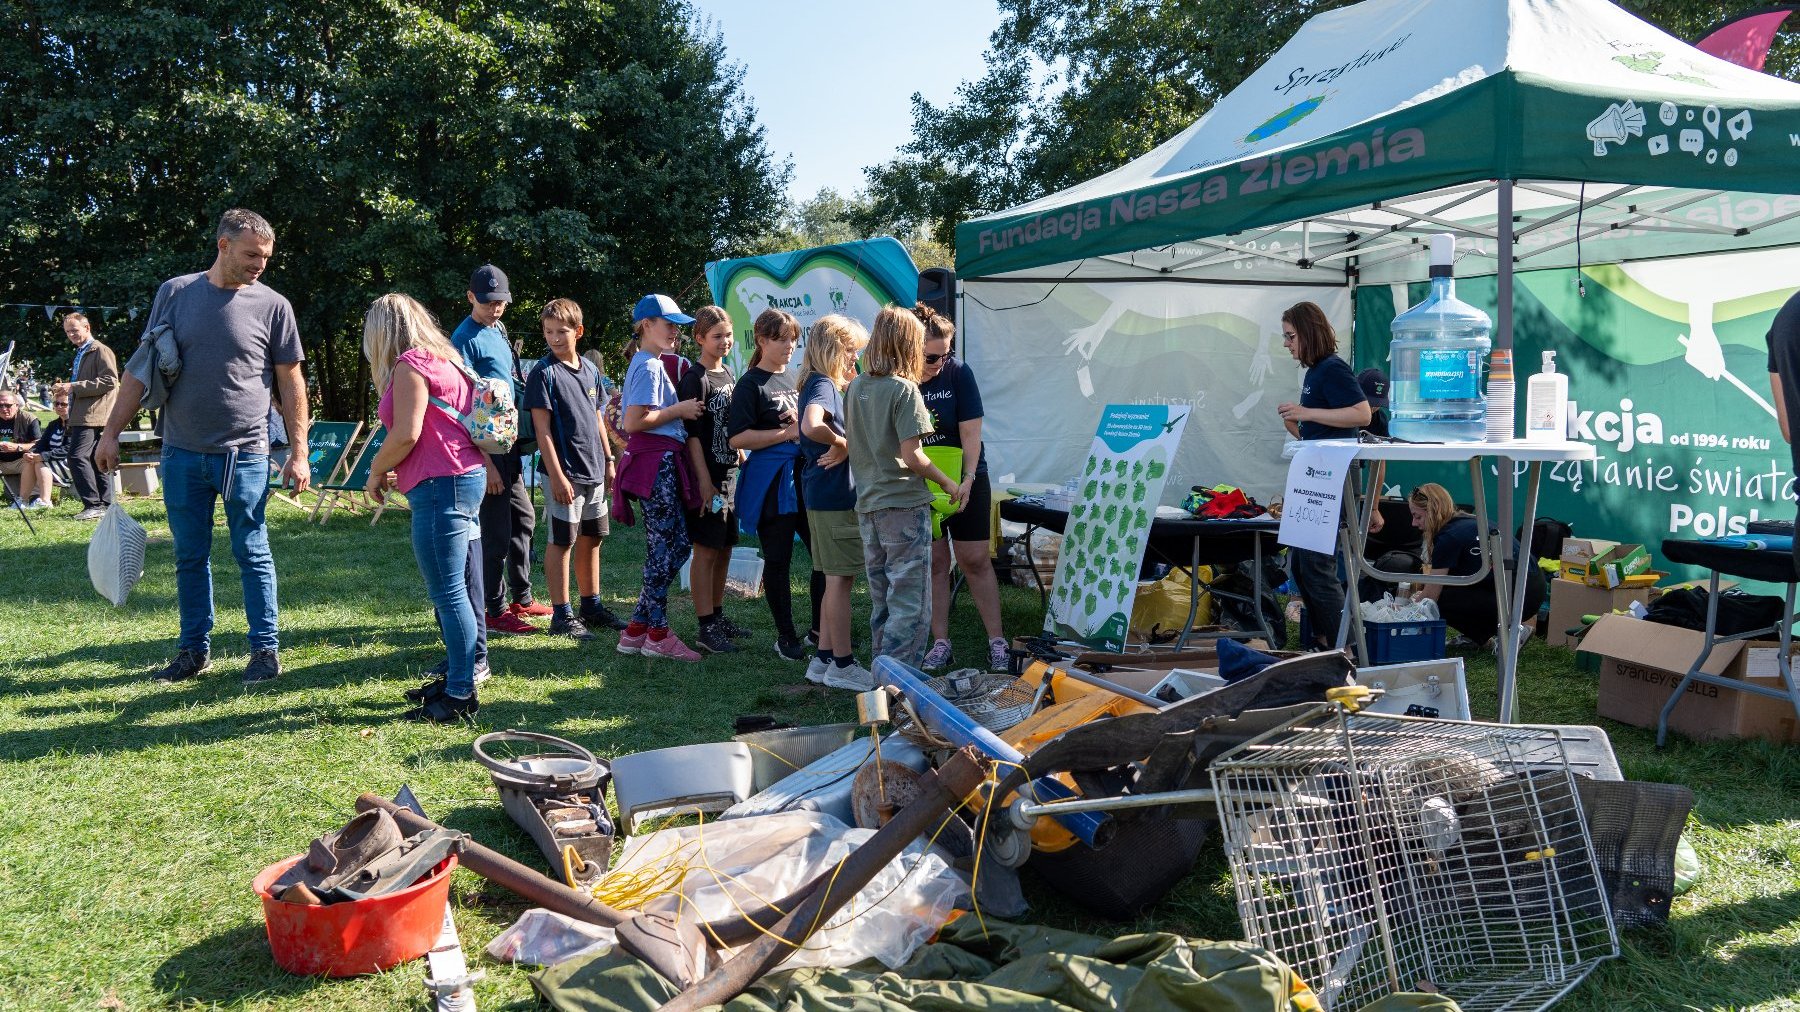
(563, 394)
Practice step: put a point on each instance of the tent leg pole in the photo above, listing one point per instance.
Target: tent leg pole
(1503, 333)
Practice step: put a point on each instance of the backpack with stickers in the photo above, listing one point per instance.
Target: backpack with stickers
(493, 419)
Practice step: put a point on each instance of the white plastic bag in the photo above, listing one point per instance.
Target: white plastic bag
(545, 938)
(737, 863)
(116, 554)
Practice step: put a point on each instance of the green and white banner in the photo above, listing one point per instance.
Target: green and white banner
(1109, 523)
(855, 279)
(1668, 372)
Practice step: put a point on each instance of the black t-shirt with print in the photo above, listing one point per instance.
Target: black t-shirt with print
(953, 397)
(1329, 384)
(714, 390)
(22, 428)
(764, 400)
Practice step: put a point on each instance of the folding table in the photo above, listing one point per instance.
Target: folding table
(1509, 594)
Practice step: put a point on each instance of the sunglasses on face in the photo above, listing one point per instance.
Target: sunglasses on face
(935, 359)
(61, 404)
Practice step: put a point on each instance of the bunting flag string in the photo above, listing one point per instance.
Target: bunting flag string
(51, 309)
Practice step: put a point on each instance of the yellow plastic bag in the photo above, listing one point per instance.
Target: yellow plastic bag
(1163, 605)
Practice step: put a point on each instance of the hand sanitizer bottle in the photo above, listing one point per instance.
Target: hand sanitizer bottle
(1547, 404)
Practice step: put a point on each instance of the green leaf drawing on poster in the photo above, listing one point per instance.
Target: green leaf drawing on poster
(1088, 491)
(1110, 512)
(1141, 519)
(1138, 492)
(1091, 602)
(1106, 465)
(1137, 469)
(1090, 467)
(1119, 491)
(1095, 537)
(1155, 468)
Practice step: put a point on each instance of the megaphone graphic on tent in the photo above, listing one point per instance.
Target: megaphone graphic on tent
(1619, 122)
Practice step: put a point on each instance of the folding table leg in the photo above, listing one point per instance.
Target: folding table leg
(1693, 671)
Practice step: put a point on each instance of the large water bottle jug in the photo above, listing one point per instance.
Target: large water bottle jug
(1435, 392)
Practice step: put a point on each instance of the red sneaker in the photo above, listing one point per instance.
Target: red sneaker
(510, 624)
(535, 609)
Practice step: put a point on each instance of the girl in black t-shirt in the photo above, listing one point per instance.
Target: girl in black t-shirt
(1453, 548)
(765, 422)
(1331, 405)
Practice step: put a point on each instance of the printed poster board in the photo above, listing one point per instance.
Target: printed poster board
(855, 279)
(1109, 522)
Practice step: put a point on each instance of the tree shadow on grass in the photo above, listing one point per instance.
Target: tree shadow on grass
(1713, 971)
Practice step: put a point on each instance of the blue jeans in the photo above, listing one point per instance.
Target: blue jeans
(897, 558)
(192, 483)
(445, 518)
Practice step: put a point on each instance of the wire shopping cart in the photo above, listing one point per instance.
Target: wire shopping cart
(1378, 854)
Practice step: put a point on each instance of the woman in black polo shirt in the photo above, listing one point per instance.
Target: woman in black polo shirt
(1453, 548)
(954, 400)
(1332, 406)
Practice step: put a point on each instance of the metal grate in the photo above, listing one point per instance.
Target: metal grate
(1378, 854)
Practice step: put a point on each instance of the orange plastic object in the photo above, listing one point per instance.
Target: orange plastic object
(1047, 834)
(357, 937)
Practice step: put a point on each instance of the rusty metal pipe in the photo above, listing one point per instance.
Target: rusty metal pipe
(940, 793)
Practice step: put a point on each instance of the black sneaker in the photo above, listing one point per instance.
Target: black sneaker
(439, 679)
(444, 709)
(732, 629)
(714, 640)
(571, 627)
(602, 618)
(186, 665)
(264, 665)
(792, 650)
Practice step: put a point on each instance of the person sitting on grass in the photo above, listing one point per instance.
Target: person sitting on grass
(713, 527)
(443, 475)
(563, 395)
(884, 420)
(1453, 548)
(655, 470)
(827, 368)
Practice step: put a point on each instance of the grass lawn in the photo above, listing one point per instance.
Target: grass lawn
(135, 815)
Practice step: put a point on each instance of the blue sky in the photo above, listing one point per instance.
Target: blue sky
(833, 82)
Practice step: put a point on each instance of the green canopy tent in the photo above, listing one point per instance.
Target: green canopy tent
(1543, 133)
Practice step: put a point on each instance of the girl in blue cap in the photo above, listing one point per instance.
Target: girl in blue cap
(655, 470)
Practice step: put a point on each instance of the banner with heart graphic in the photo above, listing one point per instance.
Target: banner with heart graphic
(855, 279)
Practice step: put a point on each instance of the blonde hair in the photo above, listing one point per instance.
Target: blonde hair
(1434, 499)
(830, 345)
(896, 345)
(772, 325)
(396, 324)
(706, 318)
(562, 311)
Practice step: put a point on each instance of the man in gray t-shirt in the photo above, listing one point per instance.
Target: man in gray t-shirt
(237, 340)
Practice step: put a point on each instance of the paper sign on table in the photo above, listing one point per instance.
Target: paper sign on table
(1109, 522)
(1315, 497)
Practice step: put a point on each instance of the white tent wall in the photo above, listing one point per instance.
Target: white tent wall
(1049, 355)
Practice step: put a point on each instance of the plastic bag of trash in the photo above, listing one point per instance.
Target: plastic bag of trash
(729, 866)
(545, 938)
(116, 554)
(1400, 609)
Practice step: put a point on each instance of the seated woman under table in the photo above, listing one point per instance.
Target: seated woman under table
(1452, 547)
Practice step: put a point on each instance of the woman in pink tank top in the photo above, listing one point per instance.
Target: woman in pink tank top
(432, 461)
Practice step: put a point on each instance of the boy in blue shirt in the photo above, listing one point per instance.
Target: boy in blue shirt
(563, 395)
(507, 517)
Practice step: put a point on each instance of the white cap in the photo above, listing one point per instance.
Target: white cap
(1443, 249)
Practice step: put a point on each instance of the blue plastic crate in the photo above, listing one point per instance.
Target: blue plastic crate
(1398, 642)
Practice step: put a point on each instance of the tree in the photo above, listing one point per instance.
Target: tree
(828, 218)
(1076, 88)
(593, 150)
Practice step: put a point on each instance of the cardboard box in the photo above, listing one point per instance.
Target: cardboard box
(1599, 566)
(1569, 600)
(1642, 662)
(1581, 551)
(1760, 716)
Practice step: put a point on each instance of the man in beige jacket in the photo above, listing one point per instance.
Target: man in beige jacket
(93, 384)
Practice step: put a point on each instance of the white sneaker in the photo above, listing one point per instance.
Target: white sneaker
(38, 504)
(855, 677)
(91, 513)
(482, 673)
(815, 671)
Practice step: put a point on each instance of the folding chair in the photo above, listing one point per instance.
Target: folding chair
(346, 491)
(328, 451)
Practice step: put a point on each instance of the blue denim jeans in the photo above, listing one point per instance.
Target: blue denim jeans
(897, 558)
(192, 483)
(445, 518)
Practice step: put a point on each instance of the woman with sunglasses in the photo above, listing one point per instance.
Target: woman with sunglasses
(954, 400)
(1332, 406)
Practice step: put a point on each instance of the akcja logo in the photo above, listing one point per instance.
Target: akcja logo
(1623, 428)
